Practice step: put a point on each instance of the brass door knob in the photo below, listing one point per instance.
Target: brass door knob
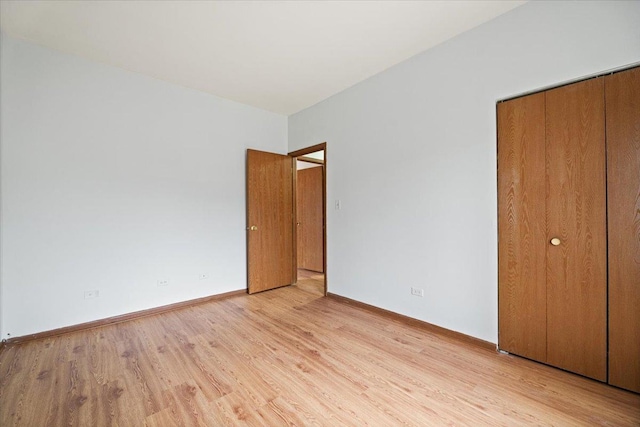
(555, 241)
(252, 228)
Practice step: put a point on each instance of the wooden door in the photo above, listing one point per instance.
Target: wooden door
(270, 261)
(623, 184)
(552, 185)
(310, 219)
(576, 215)
(522, 292)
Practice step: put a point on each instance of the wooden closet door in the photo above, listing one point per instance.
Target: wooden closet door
(576, 214)
(623, 184)
(522, 295)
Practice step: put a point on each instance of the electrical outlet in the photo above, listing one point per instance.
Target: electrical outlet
(417, 292)
(204, 276)
(163, 283)
(91, 294)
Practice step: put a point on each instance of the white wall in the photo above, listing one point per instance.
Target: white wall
(1, 215)
(411, 154)
(113, 181)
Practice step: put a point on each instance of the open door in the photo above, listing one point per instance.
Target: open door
(270, 221)
(311, 208)
(310, 217)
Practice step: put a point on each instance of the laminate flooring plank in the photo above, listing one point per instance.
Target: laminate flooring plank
(164, 418)
(15, 404)
(289, 357)
(231, 410)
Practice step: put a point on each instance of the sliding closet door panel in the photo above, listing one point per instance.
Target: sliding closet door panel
(576, 215)
(623, 170)
(521, 230)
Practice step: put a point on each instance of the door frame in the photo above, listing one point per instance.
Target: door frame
(294, 155)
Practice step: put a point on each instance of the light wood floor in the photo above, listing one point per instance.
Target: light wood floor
(311, 281)
(288, 357)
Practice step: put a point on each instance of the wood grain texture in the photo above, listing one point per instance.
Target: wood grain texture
(576, 213)
(392, 316)
(270, 198)
(623, 184)
(119, 319)
(521, 227)
(289, 357)
(311, 281)
(310, 219)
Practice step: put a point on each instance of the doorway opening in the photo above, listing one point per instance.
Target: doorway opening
(310, 219)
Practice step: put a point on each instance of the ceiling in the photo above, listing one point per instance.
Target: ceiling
(281, 56)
